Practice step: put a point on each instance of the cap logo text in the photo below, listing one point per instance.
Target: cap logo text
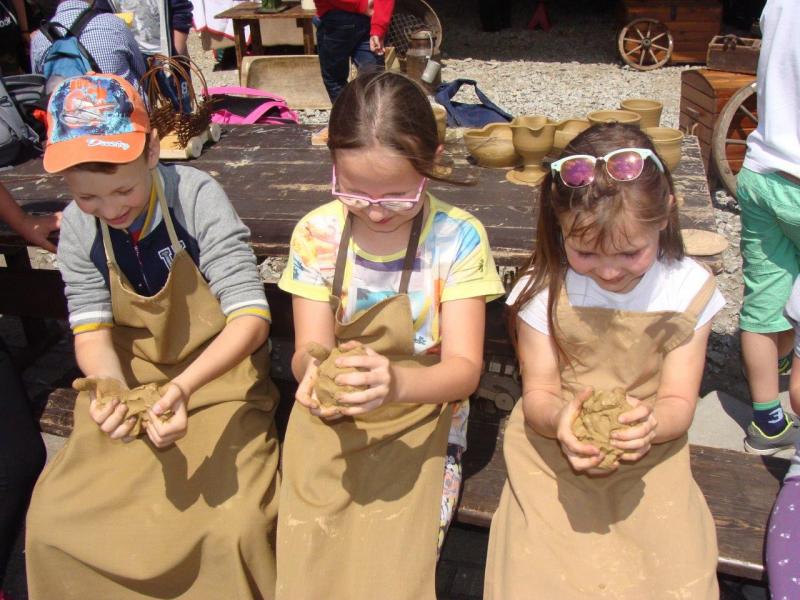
(94, 142)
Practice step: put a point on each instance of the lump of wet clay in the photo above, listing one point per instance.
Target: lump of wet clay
(326, 388)
(138, 400)
(598, 418)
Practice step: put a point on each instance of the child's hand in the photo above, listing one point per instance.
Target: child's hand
(377, 376)
(636, 439)
(582, 457)
(165, 433)
(35, 229)
(370, 8)
(376, 44)
(110, 416)
(306, 396)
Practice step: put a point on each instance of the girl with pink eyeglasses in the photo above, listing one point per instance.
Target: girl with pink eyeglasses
(370, 482)
(608, 300)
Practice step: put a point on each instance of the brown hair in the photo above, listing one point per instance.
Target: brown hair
(387, 109)
(106, 167)
(596, 210)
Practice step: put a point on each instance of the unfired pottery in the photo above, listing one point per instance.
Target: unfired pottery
(566, 131)
(648, 110)
(440, 113)
(492, 145)
(533, 139)
(614, 116)
(668, 144)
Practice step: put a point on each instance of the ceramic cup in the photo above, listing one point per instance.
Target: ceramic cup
(566, 131)
(614, 116)
(648, 110)
(492, 146)
(668, 144)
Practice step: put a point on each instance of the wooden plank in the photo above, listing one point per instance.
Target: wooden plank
(739, 488)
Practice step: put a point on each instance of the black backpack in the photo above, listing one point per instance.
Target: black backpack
(17, 138)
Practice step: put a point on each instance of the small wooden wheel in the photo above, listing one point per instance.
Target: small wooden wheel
(729, 139)
(645, 44)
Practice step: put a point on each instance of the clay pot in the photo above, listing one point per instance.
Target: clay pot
(566, 131)
(614, 116)
(648, 110)
(533, 139)
(492, 145)
(668, 144)
(440, 113)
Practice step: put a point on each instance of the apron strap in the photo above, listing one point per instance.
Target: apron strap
(158, 185)
(162, 202)
(341, 256)
(411, 252)
(408, 261)
(702, 298)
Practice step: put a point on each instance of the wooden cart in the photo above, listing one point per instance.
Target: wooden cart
(654, 33)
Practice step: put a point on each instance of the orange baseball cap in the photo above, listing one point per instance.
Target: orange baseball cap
(94, 118)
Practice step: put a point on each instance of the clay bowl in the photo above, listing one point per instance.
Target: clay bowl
(566, 131)
(492, 145)
(613, 116)
(440, 114)
(648, 110)
(668, 144)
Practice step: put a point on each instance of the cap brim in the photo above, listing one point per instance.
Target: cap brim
(115, 149)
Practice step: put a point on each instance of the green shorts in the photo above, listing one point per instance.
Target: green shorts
(770, 247)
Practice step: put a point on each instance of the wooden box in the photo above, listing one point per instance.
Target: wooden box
(692, 23)
(732, 53)
(703, 95)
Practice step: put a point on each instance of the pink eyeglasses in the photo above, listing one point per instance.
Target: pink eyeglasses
(361, 201)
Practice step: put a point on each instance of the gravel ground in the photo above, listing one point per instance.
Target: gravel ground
(569, 71)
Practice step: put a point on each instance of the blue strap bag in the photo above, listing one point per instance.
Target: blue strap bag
(461, 114)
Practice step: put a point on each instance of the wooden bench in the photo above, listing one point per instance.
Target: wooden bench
(738, 487)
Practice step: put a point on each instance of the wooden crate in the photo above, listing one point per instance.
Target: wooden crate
(703, 95)
(692, 23)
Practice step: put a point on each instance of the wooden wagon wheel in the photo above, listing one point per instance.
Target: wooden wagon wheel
(729, 139)
(645, 44)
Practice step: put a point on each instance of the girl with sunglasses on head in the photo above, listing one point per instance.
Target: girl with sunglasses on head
(608, 300)
(371, 482)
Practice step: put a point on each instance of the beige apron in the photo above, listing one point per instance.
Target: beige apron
(110, 520)
(643, 532)
(361, 496)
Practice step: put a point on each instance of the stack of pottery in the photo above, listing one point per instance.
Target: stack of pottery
(533, 139)
(648, 110)
(668, 144)
(614, 116)
(492, 145)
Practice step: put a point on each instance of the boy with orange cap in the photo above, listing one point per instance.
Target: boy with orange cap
(162, 289)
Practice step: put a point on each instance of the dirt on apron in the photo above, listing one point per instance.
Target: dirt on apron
(195, 520)
(643, 532)
(361, 496)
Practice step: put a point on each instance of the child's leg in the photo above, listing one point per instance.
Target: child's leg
(365, 59)
(451, 489)
(783, 542)
(770, 246)
(338, 35)
(22, 455)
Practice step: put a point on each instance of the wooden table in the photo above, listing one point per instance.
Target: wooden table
(274, 176)
(245, 13)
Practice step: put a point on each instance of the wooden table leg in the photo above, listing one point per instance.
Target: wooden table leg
(239, 41)
(308, 35)
(255, 32)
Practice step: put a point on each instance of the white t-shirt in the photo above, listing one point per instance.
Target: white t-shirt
(775, 144)
(664, 287)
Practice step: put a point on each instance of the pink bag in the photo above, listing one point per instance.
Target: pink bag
(234, 105)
